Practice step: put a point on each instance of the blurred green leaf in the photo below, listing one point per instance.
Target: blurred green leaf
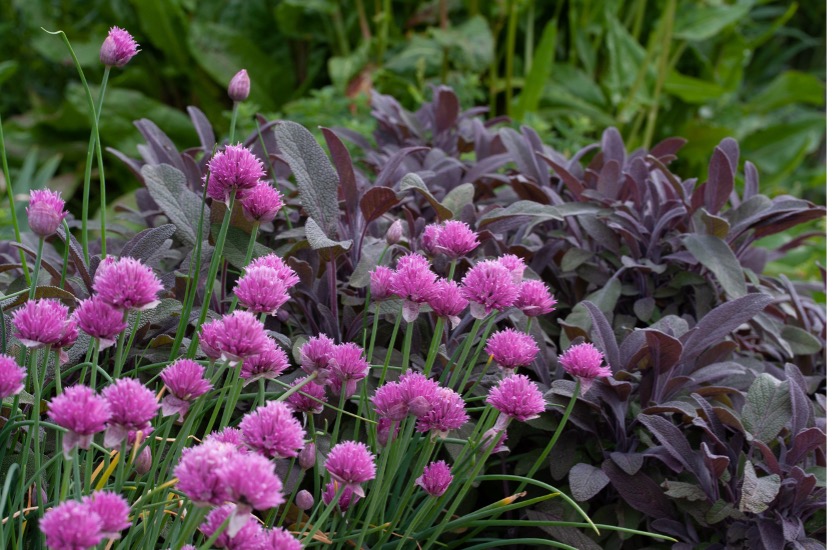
(788, 88)
(691, 90)
(539, 73)
(700, 21)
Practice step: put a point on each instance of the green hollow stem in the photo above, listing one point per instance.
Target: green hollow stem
(237, 386)
(212, 273)
(434, 347)
(12, 209)
(323, 516)
(38, 259)
(88, 168)
(391, 347)
(466, 346)
(120, 350)
(409, 331)
(233, 125)
(554, 438)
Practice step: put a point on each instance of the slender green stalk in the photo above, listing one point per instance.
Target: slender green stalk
(237, 386)
(12, 209)
(120, 350)
(323, 516)
(465, 347)
(663, 68)
(434, 347)
(409, 330)
(38, 259)
(91, 146)
(234, 123)
(394, 334)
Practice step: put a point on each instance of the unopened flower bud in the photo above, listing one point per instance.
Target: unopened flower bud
(143, 461)
(395, 233)
(307, 456)
(239, 86)
(304, 500)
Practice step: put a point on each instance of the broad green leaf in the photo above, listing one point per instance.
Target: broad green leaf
(574, 258)
(7, 69)
(318, 183)
(469, 45)
(625, 56)
(766, 410)
(716, 256)
(703, 20)
(780, 148)
(164, 24)
(801, 341)
(167, 187)
(680, 489)
(539, 73)
(757, 492)
(690, 89)
(459, 197)
(320, 241)
(788, 88)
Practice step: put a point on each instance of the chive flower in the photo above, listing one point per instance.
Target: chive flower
(350, 463)
(315, 357)
(382, 283)
(262, 203)
(584, 362)
(11, 376)
(45, 211)
(267, 364)
(71, 526)
(82, 413)
(118, 48)
(447, 301)
(273, 431)
(456, 239)
(239, 86)
(100, 320)
(436, 478)
(285, 272)
(534, 298)
(233, 169)
(41, 323)
(414, 283)
(346, 368)
(261, 290)
(185, 382)
(448, 412)
(489, 287)
(113, 511)
(512, 349)
(127, 283)
(308, 398)
(516, 397)
(132, 406)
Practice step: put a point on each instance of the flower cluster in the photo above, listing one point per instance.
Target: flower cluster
(339, 366)
(73, 524)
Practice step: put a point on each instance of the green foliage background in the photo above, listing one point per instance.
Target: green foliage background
(701, 69)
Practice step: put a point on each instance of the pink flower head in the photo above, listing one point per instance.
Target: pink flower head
(273, 431)
(45, 211)
(448, 301)
(242, 532)
(414, 283)
(232, 436)
(40, 323)
(351, 463)
(429, 239)
(489, 287)
(185, 382)
(436, 478)
(262, 203)
(315, 356)
(132, 406)
(389, 403)
(534, 298)
(127, 283)
(279, 538)
(386, 430)
(346, 500)
(382, 283)
(251, 483)
(118, 48)
(516, 396)
(448, 413)
(418, 393)
(500, 431)
(71, 526)
(239, 86)
(82, 413)
(456, 239)
(113, 511)
(241, 335)
(347, 367)
(584, 362)
(100, 320)
(285, 272)
(233, 169)
(514, 265)
(268, 364)
(200, 472)
(11, 377)
(308, 398)
(512, 349)
(210, 339)
(261, 290)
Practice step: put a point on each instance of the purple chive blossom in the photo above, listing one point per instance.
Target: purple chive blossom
(232, 436)
(436, 478)
(11, 377)
(315, 357)
(534, 299)
(448, 301)
(456, 239)
(382, 281)
(261, 290)
(389, 403)
(71, 526)
(100, 320)
(448, 413)
(241, 335)
(414, 283)
(279, 538)
(308, 398)
(233, 169)
(489, 435)
(273, 431)
(514, 265)
(285, 272)
(127, 283)
(262, 203)
(489, 287)
(210, 339)
(418, 393)
(584, 362)
(82, 413)
(346, 500)
(132, 406)
(512, 349)
(351, 463)
(387, 430)
(516, 397)
(251, 483)
(347, 367)
(40, 323)
(113, 511)
(200, 472)
(247, 536)
(185, 382)
(239, 86)
(268, 364)
(45, 212)
(118, 48)
(429, 239)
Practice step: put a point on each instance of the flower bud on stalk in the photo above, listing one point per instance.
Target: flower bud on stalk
(239, 86)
